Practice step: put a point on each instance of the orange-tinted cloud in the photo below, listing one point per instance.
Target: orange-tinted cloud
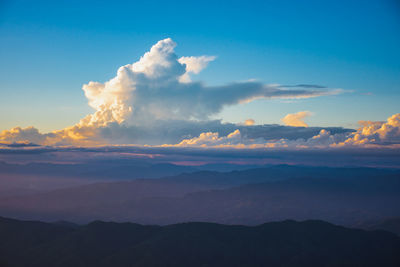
(376, 133)
(249, 122)
(296, 119)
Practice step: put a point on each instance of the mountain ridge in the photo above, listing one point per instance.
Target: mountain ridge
(284, 243)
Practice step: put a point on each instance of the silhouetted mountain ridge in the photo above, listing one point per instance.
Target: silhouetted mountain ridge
(286, 243)
(387, 224)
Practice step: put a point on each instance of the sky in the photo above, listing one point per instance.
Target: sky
(345, 52)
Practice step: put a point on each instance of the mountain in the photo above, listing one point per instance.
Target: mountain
(343, 196)
(34, 178)
(100, 169)
(387, 224)
(286, 243)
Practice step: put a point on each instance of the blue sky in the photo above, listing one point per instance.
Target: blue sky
(49, 49)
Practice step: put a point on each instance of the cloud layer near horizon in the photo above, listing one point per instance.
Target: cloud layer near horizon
(371, 134)
(153, 101)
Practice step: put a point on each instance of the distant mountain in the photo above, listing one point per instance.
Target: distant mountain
(388, 224)
(34, 178)
(111, 169)
(339, 195)
(286, 243)
(135, 169)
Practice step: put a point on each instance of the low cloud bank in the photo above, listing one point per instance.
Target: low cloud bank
(371, 134)
(162, 132)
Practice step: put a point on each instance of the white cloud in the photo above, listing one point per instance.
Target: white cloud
(194, 65)
(212, 139)
(152, 91)
(235, 140)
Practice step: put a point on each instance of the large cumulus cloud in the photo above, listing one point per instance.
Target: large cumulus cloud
(158, 87)
(153, 96)
(154, 101)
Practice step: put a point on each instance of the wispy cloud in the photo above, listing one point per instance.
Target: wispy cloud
(315, 86)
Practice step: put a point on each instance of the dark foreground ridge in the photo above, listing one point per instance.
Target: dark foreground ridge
(286, 243)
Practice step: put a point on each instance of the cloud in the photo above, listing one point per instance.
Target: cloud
(249, 122)
(370, 135)
(296, 119)
(316, 86)
(131, 155)
(155, 90)
(167, 132)
(18, 135)
(19, 144)
(212, 139)
(194, 65)
(152, 89)
(375, 133)
(153, 101)
(236, 140)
